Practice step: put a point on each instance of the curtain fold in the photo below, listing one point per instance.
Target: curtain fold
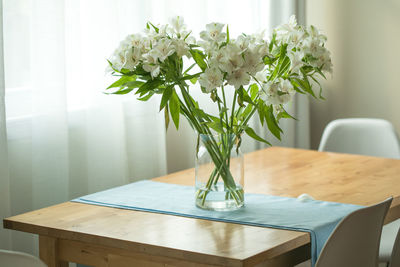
(295, 132)
(65, 138)
(5, 237)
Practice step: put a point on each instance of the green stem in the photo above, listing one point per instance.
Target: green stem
(217, 156)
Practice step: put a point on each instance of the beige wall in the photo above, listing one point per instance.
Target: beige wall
(364, 38)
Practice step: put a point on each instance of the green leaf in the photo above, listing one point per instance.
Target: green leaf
(272, 43)
(190, 67)
(193, 80)
(214, 96)
(320, 88)
(296, 86)
(318, 70)
(187, 35)
(240, 96)
(201, 114)
(123, 91)
(282, 63)
(166, 117)
(305, 85)
(284, 66)
(166, 96)
(250, 132)
(246, 112)
(127, 71)
(123, 80)
(189, 77)
(134, 84)
(155, 28)
(199, 57)
(149, 85)
(227, 34)
(261, 111)
(122, 71)
(272, 123)
(216, 126)
(269, 60)
(283, 51)
(253, 91)
(146, 97)
(223, 111)
(285, 115)
(246, 97)
(175, 108)
(306, 69)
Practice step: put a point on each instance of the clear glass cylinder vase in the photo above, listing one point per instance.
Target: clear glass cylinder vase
(219, 173)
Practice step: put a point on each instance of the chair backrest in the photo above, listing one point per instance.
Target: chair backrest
(18, 259)
(372, 137)
(355, 240)
(395, 258)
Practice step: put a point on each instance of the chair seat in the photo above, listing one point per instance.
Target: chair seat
(389, 234)
(10, 258)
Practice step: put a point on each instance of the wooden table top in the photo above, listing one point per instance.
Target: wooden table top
(277, 171)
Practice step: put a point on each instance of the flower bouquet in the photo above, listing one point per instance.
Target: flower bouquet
(262, 75)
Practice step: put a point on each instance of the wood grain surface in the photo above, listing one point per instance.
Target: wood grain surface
(102, 236)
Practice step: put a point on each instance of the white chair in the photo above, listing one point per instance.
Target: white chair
(355, 240)
(389, 250)
(395, 257)
(371, 137)
(19, 259)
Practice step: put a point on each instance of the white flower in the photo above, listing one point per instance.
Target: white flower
(232, 59)
(283, 30)
(135, 40)
(213, 33)
(258, 37)
(164, 49)
(210, 48)
(286, 87)
(261, 76)
(150, 63)
(181, 47)
(263, 49)
(243, 42)
(310, 46)
(178, 25)
(211, 79)
(153, 35)
(314, 33)
(269, 93)
(128, 54)
(238, 78)
(253, 62)
(277, 93)
(323, 59)
(295, 38)
(296, 61)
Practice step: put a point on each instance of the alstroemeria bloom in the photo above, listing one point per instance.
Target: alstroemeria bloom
(238, 78)
(213, 33)
(150, 64)
(296, 61)
(211, 79)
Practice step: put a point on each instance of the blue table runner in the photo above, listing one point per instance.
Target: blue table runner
(319, 218)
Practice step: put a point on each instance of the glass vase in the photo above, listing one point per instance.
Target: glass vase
(219, 173)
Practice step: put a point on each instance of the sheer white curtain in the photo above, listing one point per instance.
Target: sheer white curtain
(60, 136)
(5, 238)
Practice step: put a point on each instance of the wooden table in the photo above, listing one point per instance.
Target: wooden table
(102, 236)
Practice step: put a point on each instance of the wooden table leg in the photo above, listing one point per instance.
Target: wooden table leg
(48, 251)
